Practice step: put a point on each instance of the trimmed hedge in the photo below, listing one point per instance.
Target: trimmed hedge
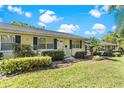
(11, 66)
(56, 55)
(80, 54)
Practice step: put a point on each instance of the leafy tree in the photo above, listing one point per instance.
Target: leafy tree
(93, 43)
(114, 37)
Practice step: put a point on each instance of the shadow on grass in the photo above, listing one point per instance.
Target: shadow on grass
(109, 58)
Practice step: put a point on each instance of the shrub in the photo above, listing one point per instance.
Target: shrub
(121, 50)
(1, 55)
(107, 53)
(56, 55)
(80, 54)
(11, 66)
(97, 53)
(116, 54)
(23, 51)
(97, 58)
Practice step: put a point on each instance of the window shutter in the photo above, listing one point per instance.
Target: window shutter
(80, 44)
(55, 43)
(18, 39)
(70, 44)
(35, 42)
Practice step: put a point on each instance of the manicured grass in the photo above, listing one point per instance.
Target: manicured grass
(104, 73)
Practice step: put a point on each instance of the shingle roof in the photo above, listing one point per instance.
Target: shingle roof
(103, 43)
(4, 26)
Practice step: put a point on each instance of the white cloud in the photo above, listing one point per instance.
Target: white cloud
(49, 17)
(96, 29)
(1, 20)
(41, 24)
(28, 14)
(114, 28)
(95, 13)
(98, 12)
(99, 27)
(68, 28)
(42, 10)
(90, 32)
(105, 8)
(49, 12)
(18, 10)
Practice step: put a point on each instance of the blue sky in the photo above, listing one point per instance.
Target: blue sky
(85, 21)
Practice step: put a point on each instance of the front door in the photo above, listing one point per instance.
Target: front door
(60, 44)
(63, 44)
(66, 47)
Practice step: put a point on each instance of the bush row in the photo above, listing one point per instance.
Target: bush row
(108, 53)
(11, 66)
(56, 55)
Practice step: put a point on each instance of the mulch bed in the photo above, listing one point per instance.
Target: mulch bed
(62, 64)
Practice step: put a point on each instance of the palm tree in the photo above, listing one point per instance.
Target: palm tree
(118, 36)
(119, 16)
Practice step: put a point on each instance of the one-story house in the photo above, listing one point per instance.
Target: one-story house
(40, 39)
(108, 45)
(105, 46)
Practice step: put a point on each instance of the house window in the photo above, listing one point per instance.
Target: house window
(42, 43)
(75, 44)
(7, 42)
(50, 44)
(45, 43)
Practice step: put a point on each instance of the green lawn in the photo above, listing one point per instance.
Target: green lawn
(83, 74)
